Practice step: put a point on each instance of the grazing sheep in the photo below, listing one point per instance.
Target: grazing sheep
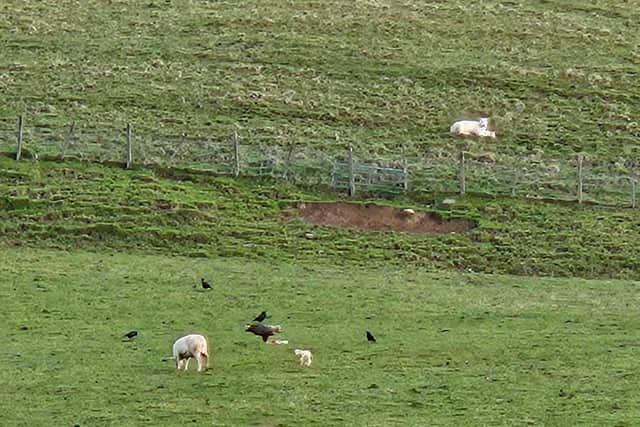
(191, 346)
(305, 356)
(478, 128)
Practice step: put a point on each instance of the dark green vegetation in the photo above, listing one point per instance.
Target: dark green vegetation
(558, 75)
(453, 349)
(71, 205)
(92, 251)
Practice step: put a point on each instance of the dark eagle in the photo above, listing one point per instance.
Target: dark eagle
(264, 331)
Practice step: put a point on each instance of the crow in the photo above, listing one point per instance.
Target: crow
(264, 331)
(131, 334)
(260, 317)
(205, 284)
(370, 337)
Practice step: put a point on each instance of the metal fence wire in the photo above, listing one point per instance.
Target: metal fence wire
(344, 168)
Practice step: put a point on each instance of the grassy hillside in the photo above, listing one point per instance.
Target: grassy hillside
(75, 205)
(90, 251)
(557, 76)
(453, 349)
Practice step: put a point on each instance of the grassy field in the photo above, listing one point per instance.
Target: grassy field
(453, 349)
(76, 205)
(556, 76)
(529, 318)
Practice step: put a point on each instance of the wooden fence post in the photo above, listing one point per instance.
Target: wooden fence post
(463, 183)
(352, 181)
(516, 180)
(287, 161)
(580, 176)
(405, 170)
(67, 141)
(129, 147)
(633, 193)
(20, 135)
(236, 154)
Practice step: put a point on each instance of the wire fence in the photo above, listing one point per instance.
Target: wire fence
(345, 168)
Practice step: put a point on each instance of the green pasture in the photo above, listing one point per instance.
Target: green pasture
(453, 349)
(71, 205)
(529, 318)
(555, 76)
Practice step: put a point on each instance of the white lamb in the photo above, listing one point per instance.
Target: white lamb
(478, 128)
(191, 346)
(305, 356)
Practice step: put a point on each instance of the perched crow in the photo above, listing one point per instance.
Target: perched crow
(205, 284)
(264, 331)
(370, 337)
(260, 317)
(131, 334)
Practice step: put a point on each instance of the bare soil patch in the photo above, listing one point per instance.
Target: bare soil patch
(375, 217)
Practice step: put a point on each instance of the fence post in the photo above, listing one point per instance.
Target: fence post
(287, 162)
(129, 147)
(236, 154)
(516, 180)
(20, 135)
(633, 193)
(352, 181)
(405, 170)
(67, 140)
(463, 183)
(580, 158)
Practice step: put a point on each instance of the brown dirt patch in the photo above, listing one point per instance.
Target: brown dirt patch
(375, 217)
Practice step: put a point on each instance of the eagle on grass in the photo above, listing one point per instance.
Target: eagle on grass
(264, 331)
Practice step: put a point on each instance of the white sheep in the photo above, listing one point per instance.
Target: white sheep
(305, 356)
(191, 346)
(478, 128)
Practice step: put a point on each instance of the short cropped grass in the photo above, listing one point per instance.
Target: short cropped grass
(73, 205)
(557, 76)
(453, 349)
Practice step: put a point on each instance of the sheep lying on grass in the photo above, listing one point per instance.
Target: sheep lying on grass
(191, 346)
(478, 128)
(305, 356)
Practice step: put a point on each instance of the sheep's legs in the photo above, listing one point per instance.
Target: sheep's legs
(203, 363)
(186, 363)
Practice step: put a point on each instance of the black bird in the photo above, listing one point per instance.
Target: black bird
(131, 334)
(205, 284)
(260, 317)
(370, 337)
